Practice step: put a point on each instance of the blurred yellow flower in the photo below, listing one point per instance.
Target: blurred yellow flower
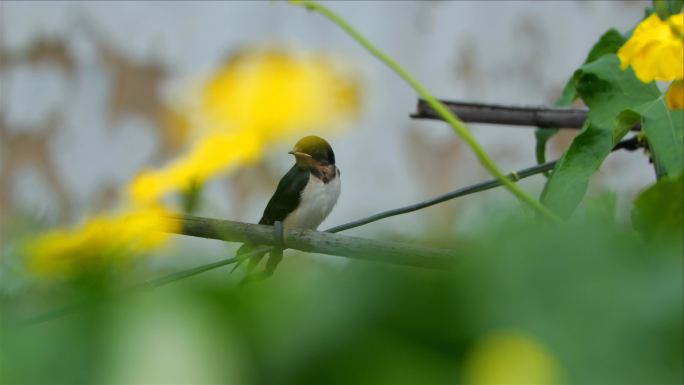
(278, 94)
(507, 357)
(258, 98)
(212, 154)
(675, 95)
(99, 240)
(656, 49)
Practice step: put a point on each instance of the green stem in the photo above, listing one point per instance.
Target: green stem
(438, 106)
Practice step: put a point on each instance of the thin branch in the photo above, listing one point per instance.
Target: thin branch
(445, 197)
(630, 144)
(315, 241)
(533, 116)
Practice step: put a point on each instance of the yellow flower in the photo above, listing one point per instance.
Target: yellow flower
(656, 49)
(675, 95)
(211, 155)
(100, 240)
(510, 358)
(255, 100)
(258, 98)
(278, 94)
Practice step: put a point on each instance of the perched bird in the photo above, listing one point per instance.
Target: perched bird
(305, 195)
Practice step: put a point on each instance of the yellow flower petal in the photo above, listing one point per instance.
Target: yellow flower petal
(276, 92)
(656, 49)
(99, 240)
(510, 358)
(211, 155)
(675, 95)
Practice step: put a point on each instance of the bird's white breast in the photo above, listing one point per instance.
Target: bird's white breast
(316, 202)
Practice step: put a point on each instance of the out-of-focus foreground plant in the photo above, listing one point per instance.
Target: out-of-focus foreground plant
(587, 303)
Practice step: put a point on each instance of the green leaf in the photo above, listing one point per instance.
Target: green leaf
(609, 43)
(542, 135)
(568, 181)
(569, 93)
(659, 210)
(625, 121)
(664, 130)
(608, 91)
(667, 8)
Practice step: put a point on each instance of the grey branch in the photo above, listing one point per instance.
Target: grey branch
(316, 242)
(544, 117)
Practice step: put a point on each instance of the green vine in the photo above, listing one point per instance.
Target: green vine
(438, 106)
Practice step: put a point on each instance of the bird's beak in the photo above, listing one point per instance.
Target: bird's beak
(297, 153)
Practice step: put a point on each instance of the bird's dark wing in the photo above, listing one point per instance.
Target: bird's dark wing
(286, 197)
(284, 201)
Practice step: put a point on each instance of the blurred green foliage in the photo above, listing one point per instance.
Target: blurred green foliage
(659, 210)
(587, 302)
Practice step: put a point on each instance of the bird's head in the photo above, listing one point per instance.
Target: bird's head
(313, 151)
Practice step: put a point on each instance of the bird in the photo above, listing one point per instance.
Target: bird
(305, 195)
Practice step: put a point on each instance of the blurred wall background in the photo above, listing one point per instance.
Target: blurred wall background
(86, 90)
(88, 98)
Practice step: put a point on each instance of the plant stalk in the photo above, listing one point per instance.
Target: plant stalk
(436, 105)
